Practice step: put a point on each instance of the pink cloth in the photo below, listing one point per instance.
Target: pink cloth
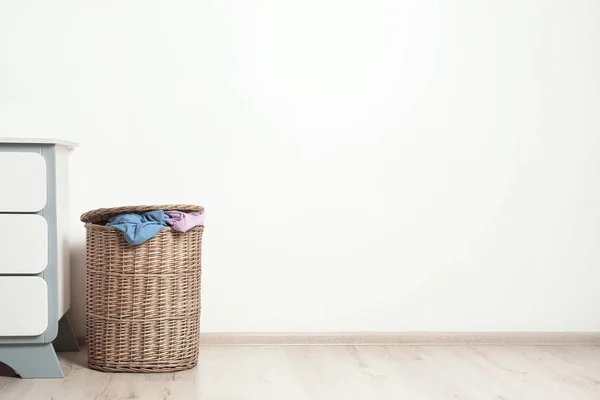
(184, 221)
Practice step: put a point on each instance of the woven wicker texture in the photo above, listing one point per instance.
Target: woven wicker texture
(142, 302)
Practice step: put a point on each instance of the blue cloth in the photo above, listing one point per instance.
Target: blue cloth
(137, 228)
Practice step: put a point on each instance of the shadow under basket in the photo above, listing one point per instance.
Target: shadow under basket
(142, 302)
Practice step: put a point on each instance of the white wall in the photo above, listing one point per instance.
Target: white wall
(365, 165)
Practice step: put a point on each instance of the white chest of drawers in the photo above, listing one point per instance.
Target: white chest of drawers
(34, 255)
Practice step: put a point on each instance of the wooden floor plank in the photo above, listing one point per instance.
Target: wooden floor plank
(338, 372)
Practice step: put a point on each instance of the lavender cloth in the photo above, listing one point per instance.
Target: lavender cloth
(184, 221)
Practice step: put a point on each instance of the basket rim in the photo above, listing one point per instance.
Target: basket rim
(103, 214)
(107, 228)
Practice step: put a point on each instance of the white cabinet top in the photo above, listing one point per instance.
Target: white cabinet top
(58, 142)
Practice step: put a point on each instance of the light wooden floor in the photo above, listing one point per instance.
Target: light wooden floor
(339, 373)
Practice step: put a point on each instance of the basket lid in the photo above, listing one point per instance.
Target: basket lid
(103, 214)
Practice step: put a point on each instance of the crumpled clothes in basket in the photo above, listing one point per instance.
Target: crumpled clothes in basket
(184, 221)
(138, 228)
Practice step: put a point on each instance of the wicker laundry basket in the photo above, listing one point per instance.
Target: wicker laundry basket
(142, 302)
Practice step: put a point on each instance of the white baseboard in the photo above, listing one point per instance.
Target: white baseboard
(404, 338)
(400, 339)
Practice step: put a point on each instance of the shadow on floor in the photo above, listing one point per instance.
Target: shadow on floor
(6, 371)
(78, 358)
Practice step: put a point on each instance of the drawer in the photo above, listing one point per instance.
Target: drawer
(22, 182)
(23, 306)
(23, 244)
